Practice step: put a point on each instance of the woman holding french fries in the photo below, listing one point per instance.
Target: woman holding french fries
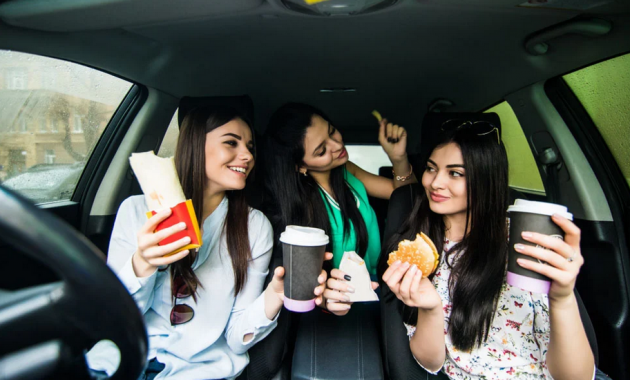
(203, 308)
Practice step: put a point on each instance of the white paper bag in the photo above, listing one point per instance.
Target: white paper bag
(353, 265)
(158, 179)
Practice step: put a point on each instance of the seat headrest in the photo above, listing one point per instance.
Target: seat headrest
(433, 121)
(243, 104)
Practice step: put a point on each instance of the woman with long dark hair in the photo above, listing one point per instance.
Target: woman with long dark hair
(204, 308)
(466, 320)
(311, 182)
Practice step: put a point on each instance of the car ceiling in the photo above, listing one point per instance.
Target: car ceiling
(399, 59)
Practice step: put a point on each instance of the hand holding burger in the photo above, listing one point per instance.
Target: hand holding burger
(409, 267)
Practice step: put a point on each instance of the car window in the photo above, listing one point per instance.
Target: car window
(604, 91)
(169, 143)
(52, 114)
(524, 175)
(368, 157)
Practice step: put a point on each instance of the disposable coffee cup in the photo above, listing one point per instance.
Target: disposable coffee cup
(303, 251)
(534, 217)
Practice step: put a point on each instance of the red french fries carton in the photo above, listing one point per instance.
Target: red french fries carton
(182, 212)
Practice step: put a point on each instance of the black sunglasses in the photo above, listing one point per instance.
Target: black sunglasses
(480, 128)
(181, 313)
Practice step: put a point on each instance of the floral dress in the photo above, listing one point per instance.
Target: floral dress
(517, 343)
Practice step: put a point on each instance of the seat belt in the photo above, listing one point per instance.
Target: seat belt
(552, 164)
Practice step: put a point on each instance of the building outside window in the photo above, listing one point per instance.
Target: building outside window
(16, 78)
(49, 156)
(78, 124)
(54, 125)
(42, 125)
(23, 127)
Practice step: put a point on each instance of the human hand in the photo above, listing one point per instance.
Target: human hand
(149, 255)
(393, 139)
(563, 257)
(410, 287)
(336, 294)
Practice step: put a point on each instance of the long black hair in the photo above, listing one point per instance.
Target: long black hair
(190, 162)
(477, 275)
(296, 199)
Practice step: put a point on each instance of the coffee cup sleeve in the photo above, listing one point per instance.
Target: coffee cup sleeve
(161, 187)
(354, 266)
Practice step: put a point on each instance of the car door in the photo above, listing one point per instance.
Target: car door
(594, 102)
(60, 124)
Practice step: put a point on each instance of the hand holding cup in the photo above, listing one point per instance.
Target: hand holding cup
(563, 258)
(149, 255)
(277, 283)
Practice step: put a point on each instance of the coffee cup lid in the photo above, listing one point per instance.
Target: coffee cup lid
(542, 208)
(304, 236)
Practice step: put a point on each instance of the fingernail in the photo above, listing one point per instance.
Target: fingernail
(406, 265)
(519, 247)
(346, 298)
(320, 279)
(526, 234)
(347, 307)
(347, 277)
(350, 289)
(330, 301)
(414, 268)
(187, 239)
(182, 226)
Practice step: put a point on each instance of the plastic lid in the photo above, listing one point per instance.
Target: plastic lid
(304, 236)
(542, 208)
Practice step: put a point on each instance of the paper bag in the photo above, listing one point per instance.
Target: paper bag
(353, 265)
(160, 184)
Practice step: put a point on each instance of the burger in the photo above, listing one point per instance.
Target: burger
(421, 252)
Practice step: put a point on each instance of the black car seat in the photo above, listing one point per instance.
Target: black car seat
(397, 358)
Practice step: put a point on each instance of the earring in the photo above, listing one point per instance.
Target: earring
(303, 171)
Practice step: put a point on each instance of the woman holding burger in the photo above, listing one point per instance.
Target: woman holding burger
(465, 321)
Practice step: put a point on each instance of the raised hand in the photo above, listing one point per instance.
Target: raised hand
(393, 139)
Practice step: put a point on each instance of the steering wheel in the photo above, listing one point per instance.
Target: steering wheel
(43, 328)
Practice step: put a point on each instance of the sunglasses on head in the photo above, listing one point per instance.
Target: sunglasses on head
(181, 313)
(480, 128)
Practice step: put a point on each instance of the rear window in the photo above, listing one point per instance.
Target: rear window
(52, 114)
(524, 175)
(368, 157)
